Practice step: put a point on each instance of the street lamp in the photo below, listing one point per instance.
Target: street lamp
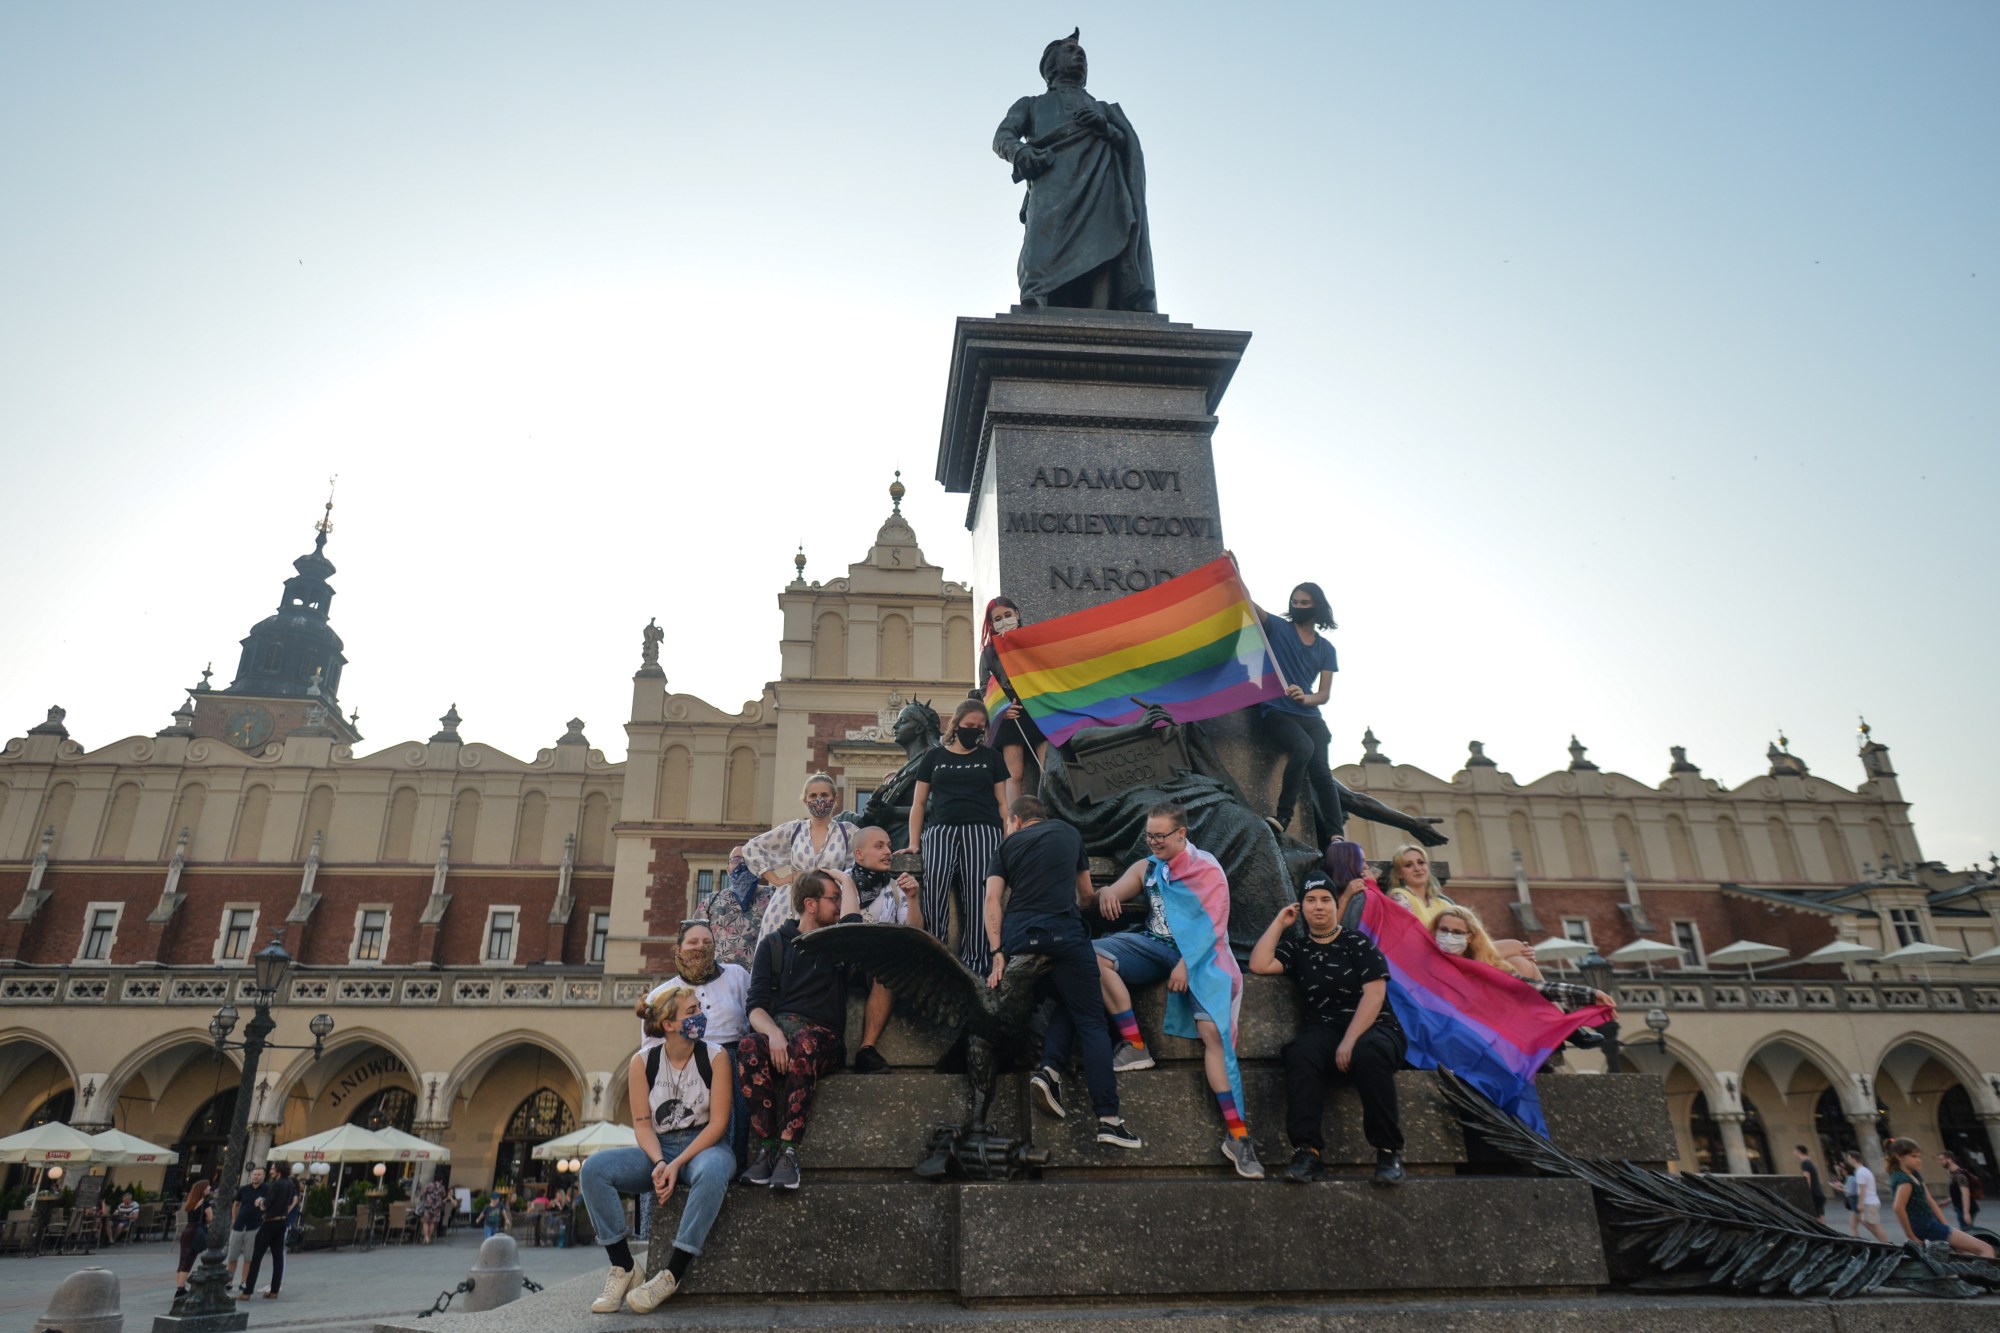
(1596, 971)
(208, 1307)
(1657, 1020)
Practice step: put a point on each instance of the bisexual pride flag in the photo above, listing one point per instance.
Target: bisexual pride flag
(1492, 1029)
(1193, 645)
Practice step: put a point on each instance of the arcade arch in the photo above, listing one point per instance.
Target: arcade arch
(34, 1071)
(486, 1095)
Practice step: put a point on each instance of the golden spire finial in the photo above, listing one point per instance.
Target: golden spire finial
(325, 525)
(799, 562)
(1783, 744)
(896, 492)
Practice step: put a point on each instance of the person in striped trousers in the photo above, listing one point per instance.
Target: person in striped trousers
(955, 825)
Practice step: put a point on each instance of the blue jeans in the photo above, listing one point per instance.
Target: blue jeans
(618, 1171)
(1141, 960)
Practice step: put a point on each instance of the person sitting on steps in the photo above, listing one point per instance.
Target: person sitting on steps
(1347, 1030)
(888, 897)
(1202, 975)
(680, 1096)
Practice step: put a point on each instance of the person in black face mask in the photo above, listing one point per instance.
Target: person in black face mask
(955, 825)
(1292, 723)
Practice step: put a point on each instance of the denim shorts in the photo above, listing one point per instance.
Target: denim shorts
(1141, 960)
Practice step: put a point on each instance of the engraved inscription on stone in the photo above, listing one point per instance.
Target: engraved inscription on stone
(1105, 770)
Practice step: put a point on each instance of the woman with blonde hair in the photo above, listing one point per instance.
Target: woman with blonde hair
(680, 1098)
(782, 854)
(1459, 931)
(1412, 884)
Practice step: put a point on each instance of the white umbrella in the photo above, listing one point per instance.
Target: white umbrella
(1747, 952)
(117, 1147)
(1844, 952)
(1923, 955)
(1647, 951)
(1991, 955)
(410, 1148)
(1558, 950)
(590, 1139)
(342, 1143)
(51, 1144)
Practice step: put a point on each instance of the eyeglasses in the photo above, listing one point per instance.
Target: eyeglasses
(1162, 837)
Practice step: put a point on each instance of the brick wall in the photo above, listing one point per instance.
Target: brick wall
(828, 730)
(667, 887)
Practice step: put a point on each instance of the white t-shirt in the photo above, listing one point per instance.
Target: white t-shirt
(725, 998)
(679, 1097)
(1864, 1184)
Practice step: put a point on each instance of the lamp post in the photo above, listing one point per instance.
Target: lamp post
(208, 1306)
(1657, 1020)
(1596, 971)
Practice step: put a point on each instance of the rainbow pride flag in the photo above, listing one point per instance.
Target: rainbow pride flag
(998, 704)
(1491, 1029)
(1193, 645)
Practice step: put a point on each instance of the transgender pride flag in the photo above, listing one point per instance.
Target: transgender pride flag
(1491, 1029)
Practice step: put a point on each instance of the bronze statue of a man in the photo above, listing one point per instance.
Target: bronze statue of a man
(1086, 243)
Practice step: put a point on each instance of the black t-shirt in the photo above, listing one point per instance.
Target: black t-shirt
(1040, 864)
(1329, 977)
(782, 982)
(961, 786)
(1813, 1186)
(247, 1217)
(279, 1196)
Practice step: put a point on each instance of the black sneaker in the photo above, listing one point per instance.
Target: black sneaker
(1306, 1167)
(1117, 1133)
(1388, 1167)
(1586, 1039)
(785, 1171)
(759, 1170)
(868, 1060)
(1046, 1084)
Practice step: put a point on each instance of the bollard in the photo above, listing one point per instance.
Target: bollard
(496, 1278)
(86, 1302)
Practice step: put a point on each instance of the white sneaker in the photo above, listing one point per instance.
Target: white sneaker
(616, 1284)
(1130, 1058)
(644, 1297)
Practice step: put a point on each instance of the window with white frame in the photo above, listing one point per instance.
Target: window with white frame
(100, 932)
(1909, 924)
(600, 935)
(239, 928)
(371, 934)
(1577, 928)
(703, 875)
(500, 934)
(1687, 935)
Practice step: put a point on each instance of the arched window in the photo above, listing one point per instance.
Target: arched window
(319, 819)
(250, 824)
(740, 789)
(1707, 1137)
(391, 1108)
(676, 776)
(402, 825)
(464, 825)
(1834, 847)
(958, 663)
(541, 1117)
(1735, 861)
(894, 653)
(1523, 834)
(55, 812)
(55, 1110)
(1682, 846)
(830, 646)
(116, 840)
(1471, 844)
(193, 799)
(1628, 843)
(528, 830)
(1576, 846)
(593, 842)
(1786, 849)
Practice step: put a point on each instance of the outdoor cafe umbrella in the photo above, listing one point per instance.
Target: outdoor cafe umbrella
(116, 1147)
(47, 1145)
(1844, 952)
(1919, 953)
(1747, 952)
(1643, 950)
(410, 1148)
(1991, 955)
(340, 1145)
(583, 1142)
(1558, 950)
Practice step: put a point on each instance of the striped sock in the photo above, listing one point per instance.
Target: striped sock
(1227, 1101)
(1128, 1028)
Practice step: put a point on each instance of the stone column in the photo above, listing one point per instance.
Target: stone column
(263, 1136)
(1866, 1129)
(1733, 1148)
(432, 1131)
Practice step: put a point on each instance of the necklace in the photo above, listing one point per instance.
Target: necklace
(1323, 939)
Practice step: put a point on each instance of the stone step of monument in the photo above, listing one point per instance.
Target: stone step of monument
(884, 1122)
(564, 1308)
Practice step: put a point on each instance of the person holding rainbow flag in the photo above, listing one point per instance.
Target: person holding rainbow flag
(1185, 942)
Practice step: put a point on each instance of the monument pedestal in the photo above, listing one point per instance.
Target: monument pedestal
(1083, 439)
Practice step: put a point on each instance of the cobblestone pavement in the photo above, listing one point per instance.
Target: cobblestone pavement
(324, 1289)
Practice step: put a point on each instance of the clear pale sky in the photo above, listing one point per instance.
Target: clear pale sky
(1625, 370)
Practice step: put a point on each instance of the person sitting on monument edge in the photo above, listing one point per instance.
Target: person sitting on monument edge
(1917, 1208)
(1347, 1029)
(817, 842)
(1015, 736)
(955, 824)
(1195, 980)
(679, 1093)
(797, 1009)
(1412, 884)
(888, 897)
(1459, 931)
(724, 992)
(1039, 879)
(735, 910)
(1292, 723)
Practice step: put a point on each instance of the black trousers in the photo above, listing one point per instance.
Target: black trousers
(1309, 1066)
(271, 1238)
(1304, 741)
(1079, 1012)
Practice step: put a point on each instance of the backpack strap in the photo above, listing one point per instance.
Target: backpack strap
(701, 1063)
(653, 1063)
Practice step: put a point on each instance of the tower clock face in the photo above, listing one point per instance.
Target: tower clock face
(248, 728)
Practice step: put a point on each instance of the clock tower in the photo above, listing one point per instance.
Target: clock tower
(288, 678)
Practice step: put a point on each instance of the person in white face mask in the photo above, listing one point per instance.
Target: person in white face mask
(818, 842)
(1460, 932)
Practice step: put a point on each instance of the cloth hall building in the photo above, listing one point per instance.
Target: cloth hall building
(479, 924)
